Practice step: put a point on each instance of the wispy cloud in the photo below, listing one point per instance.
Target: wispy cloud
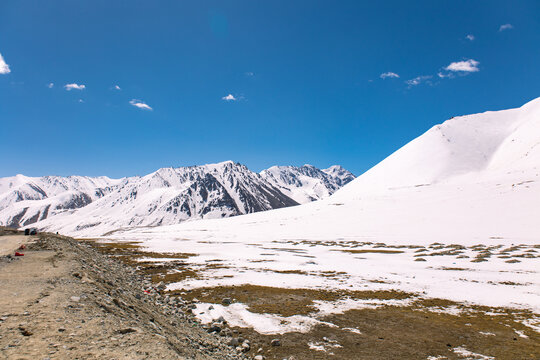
(506, 27)
(466, 66)
(418, 80)
(116, 87)
(443, 75)
(389, 75)
(4, 68)
(50, 85)
(229, 97)
(74, 86)
(249, 73)
(470, 37)
(81, 100)
(140, 104)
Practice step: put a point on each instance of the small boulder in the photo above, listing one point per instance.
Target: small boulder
(275, 342)
(214, 328)
(226, 301)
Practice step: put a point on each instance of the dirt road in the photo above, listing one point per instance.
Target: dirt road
(63, 300)
(10, 243)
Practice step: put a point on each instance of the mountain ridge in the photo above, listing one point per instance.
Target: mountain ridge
(166, 196)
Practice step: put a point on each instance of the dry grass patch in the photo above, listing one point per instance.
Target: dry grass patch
(369, 251)
(285, 302)
(131, 253)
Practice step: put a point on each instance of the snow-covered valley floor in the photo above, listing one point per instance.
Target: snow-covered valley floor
(493, 275)
(322, 297)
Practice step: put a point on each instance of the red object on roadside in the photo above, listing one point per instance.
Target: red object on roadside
(22, 247)
(18, 254)
(146, 291)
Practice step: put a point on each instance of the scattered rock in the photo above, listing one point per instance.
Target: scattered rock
(215, 327)
(275, 342)
(25, 331)
(126, 331)
(226, 301)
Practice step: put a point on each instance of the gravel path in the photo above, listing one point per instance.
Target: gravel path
(64, 300)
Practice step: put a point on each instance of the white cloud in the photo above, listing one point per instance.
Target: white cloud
(464, 66)
(50, 85)
(229, 97)
(249, 73)
(74, 86)
(442, 75)
(81, 100)
(417, 80)
(505, 27)
(389, 75)
(140, 104)
(116, 87)
(4, 68)
(470, 37)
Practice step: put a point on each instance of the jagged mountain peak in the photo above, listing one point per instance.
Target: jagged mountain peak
(306, 183)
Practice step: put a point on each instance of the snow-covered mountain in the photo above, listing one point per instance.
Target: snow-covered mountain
(307, 183)
(167, 196)
(469, 179)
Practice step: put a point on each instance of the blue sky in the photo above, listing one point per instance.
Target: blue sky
(261, 83)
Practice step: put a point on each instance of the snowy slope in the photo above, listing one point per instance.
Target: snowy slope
(480, 171)
(94, 206)
(471, 180)
(307, 183)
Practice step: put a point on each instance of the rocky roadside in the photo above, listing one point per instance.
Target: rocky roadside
(65, 300)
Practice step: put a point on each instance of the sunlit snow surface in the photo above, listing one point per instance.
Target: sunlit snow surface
(473, 180)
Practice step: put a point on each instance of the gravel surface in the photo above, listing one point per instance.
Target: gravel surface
(65, 300)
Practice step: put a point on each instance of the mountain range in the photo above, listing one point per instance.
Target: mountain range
(164, 197)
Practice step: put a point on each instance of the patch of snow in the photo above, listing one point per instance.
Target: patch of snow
(462, 352)
(324, 345)
(238, 314)
(353, 330)
(341, 306)
(316, 346)
(451, 310)
(533, 323)
(486, 333)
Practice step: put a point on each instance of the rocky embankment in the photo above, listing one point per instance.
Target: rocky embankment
(65, 300)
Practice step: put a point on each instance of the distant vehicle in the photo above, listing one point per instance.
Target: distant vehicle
(30, 231)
